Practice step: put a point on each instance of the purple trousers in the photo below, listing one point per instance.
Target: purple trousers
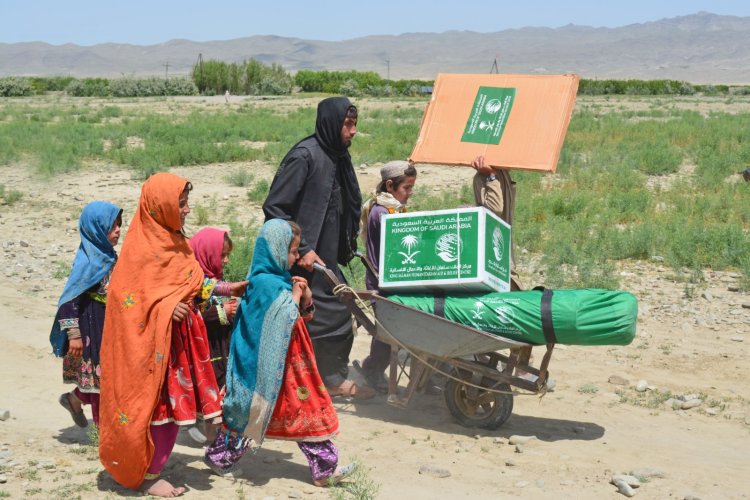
(226, 450)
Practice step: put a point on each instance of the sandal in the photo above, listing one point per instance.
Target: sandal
(338, 475)
(78, 417)
(349, 389)
(375, 380)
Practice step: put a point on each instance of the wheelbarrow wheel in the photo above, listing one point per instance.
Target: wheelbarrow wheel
(472, 407)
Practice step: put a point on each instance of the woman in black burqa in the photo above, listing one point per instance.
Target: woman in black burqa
(316, 186)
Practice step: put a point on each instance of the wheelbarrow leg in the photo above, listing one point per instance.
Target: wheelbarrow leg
(393, 378)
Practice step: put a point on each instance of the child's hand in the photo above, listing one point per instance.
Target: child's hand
(230, 309)
(75, 347)
(298, 289)
(238, 288)
(299, 279)
(180, 312)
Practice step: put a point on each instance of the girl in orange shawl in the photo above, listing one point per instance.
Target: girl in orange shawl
(156, 368)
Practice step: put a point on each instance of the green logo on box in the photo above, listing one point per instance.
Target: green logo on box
(431, 246)
(489, 114)
(497, 249)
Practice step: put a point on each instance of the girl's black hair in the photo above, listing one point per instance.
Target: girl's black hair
(296, 230)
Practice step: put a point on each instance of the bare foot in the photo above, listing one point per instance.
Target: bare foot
(163, 488)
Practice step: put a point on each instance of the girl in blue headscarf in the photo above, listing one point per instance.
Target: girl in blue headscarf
(77, 331)
(274, 389)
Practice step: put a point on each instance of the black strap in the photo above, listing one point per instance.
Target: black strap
(439, 305)
(546, 310)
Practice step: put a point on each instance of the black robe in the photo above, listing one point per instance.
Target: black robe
(316, 187)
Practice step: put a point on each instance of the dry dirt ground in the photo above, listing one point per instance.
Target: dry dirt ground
(691, 344)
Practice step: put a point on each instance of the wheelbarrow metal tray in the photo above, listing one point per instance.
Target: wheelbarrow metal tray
(431, 334)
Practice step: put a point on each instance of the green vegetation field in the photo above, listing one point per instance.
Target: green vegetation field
(638, 178)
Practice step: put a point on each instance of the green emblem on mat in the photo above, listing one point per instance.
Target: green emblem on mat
(489, 114)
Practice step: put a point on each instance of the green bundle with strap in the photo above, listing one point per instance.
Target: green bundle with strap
(574, 317)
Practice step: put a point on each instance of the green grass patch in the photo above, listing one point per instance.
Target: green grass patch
(588, 389)
(259, 191)
(240, 178)
(358, 486)
(648, 399)
(243, 237)
(629, 185)
(62, 270)
(9, 196)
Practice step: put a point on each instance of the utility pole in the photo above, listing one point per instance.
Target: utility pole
(388, 69)
(166, 70)
(494, 68)
(200, 67)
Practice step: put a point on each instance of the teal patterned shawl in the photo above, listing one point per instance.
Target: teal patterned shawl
(261, 333)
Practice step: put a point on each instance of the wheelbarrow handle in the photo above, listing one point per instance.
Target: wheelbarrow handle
(366, 262)
(319, 267)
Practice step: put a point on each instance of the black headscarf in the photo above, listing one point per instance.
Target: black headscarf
(330, 120)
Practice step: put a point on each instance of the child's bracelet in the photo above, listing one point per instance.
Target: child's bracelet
(223, 289)
(307, 310)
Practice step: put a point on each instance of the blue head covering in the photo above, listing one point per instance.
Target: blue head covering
(92, 262)
(261, 333)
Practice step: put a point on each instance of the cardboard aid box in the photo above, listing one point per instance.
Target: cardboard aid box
(463, 249)
(514, 121)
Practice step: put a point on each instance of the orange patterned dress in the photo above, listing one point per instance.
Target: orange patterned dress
(303, 411)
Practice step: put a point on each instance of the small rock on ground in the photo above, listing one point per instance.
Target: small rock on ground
(618, 380)
(516, 439)
(692, 403)
(434, 471)
(624, 489)
(631, 481)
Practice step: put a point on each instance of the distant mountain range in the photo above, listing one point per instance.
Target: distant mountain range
(699, 48)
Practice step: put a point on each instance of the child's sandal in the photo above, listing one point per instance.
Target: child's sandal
(338, 475)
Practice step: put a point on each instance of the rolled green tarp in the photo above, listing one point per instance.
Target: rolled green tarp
(574, 317)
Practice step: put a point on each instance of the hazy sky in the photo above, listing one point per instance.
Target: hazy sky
(88, 22)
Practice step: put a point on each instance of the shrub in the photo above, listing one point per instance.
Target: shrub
(259, 192)
(41, 85)
(9, 196)
(89, 87)
(13, 86)
(251, 77)
(151, 87)
(240, 178)
(242, 255)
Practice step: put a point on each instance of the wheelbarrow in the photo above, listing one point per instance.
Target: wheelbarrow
(480, 379)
